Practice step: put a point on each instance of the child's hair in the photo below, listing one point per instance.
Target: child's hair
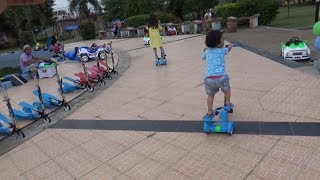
(153, 21)
(213, 38)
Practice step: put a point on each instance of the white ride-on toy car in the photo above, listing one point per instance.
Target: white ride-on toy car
(295, 49)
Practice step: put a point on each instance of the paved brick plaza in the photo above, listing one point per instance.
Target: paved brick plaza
(262, 91)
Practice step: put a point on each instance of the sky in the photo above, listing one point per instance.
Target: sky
(61, 5)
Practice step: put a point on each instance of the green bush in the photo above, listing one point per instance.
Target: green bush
(268, 10)
(66, 37)
(165, 17)
(88, 31)
(27, 38)
(140, 20)
(136, 21)
(229, 9)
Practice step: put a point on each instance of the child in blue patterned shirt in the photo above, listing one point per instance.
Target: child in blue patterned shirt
(216, 77)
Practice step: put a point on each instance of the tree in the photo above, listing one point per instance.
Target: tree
(177, 7)
(114, 9)
(81, 7)
(200, 6)
(138, 7)
(288, 5)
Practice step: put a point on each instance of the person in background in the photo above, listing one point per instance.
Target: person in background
(29, 61)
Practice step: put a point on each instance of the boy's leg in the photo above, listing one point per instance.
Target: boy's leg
(211, 89)
(155, 53)
(225, 87)
(227, 96)
(210, 104)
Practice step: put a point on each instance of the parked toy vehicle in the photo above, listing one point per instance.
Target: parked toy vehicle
(87, 53)
(295, 49)
(146, 40)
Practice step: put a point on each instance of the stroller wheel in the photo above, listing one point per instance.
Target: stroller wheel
(102, 83)
(109, 77)
(90, 88)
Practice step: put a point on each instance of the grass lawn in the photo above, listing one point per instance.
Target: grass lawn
(300, 16)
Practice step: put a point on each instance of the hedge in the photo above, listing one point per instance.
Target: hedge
(140, 20)
(88, 31)
(268, 10)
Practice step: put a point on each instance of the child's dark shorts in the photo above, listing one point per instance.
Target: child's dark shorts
(214, 84)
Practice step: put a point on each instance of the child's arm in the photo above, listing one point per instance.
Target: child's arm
(204, 53)
(229, 47)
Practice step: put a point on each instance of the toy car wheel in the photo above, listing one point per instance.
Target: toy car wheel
(46, 119)
(90, 88)
(207, 133)
(67, 107)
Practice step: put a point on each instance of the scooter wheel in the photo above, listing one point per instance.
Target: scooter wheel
(230, 111)
(231, 132)
(67, 107)
(46, 119)
(102, 83)
(109, 77)
(207, 133)
(90, 88)
(21, 134)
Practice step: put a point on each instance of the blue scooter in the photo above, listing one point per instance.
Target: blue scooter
(222, 124)
(31, 112)
(161, 61)
(11, 127)
(49, 100)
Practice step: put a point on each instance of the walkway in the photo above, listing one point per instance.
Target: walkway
(262, 91)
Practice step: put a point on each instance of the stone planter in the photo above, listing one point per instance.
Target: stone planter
(186, 27)
(132, 32)
(232, 24)
(140, 31)
(198, 26)
(216, 24)
(110, 33)
(124, 32)
(102, 34)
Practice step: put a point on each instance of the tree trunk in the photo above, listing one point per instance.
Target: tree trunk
(288, 4)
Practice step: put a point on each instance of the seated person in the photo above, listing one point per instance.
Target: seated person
(29, 61)
(94, 46)
(172, 31)
(294, 40)
(146, 31)
(39, 46)
(56, 47)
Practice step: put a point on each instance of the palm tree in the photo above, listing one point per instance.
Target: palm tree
(81, 7)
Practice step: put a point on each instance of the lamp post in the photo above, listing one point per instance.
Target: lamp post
(316, 18)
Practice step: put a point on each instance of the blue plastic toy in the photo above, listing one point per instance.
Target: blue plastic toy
(49, 100)
(6, 127)
(161, 61)
(28, 112)
(222, 124)
(69, 87)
